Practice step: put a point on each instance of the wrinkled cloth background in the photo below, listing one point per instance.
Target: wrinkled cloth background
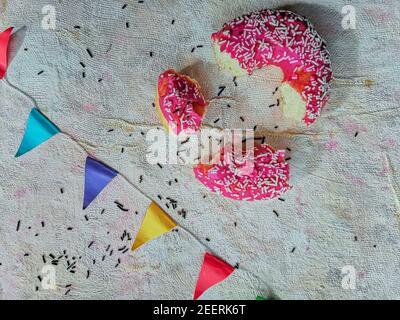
(343, 208)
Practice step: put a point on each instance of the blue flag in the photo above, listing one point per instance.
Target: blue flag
(38, 130)
(97, 176)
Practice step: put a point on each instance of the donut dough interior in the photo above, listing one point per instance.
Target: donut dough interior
(290, 101)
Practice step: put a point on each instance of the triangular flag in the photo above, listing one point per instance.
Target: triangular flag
(38, 130)
(97, 176)
(4, 40)
(260, 298)
(155, 223)
(213, 271)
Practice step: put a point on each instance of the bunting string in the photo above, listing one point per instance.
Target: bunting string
(213, 269)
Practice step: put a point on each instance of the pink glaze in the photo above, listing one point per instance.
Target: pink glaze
(181, 103)
(267, 177)
(287, 40)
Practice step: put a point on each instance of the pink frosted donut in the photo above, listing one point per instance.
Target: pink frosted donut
(284, 39)
(179, 102)
(263, 175)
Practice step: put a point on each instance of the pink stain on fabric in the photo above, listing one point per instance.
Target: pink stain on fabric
(331, 145)
(388, 143)
(355, 180)
(20, 193)
(88, 107)
(351, 127)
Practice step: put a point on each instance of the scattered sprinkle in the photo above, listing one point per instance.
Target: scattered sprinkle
(234, 81)
(89, 52)
(221, 89)
(120, 206)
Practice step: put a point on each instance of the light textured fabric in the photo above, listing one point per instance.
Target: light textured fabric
(343, 208)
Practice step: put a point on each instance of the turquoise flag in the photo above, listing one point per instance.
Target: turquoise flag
(38, 130)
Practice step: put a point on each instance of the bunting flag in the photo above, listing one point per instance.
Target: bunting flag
(4, 41)
(97, 177)
(213, 271)
(38, 130)
(155, 223)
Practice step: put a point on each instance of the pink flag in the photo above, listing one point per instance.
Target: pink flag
(213, 271)
(4, 40)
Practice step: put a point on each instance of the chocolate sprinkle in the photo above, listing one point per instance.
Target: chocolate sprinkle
(89, 52)
(221, 89)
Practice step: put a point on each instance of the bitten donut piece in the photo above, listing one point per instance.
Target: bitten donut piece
(284, 39)
(179, 102)
(264, 174)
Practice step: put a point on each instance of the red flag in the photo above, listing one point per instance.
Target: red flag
(213, 271)
(4, 40)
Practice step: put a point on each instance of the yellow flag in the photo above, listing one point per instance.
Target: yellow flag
(155, 223)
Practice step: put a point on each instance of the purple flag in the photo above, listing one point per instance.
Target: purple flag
(97, 176)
